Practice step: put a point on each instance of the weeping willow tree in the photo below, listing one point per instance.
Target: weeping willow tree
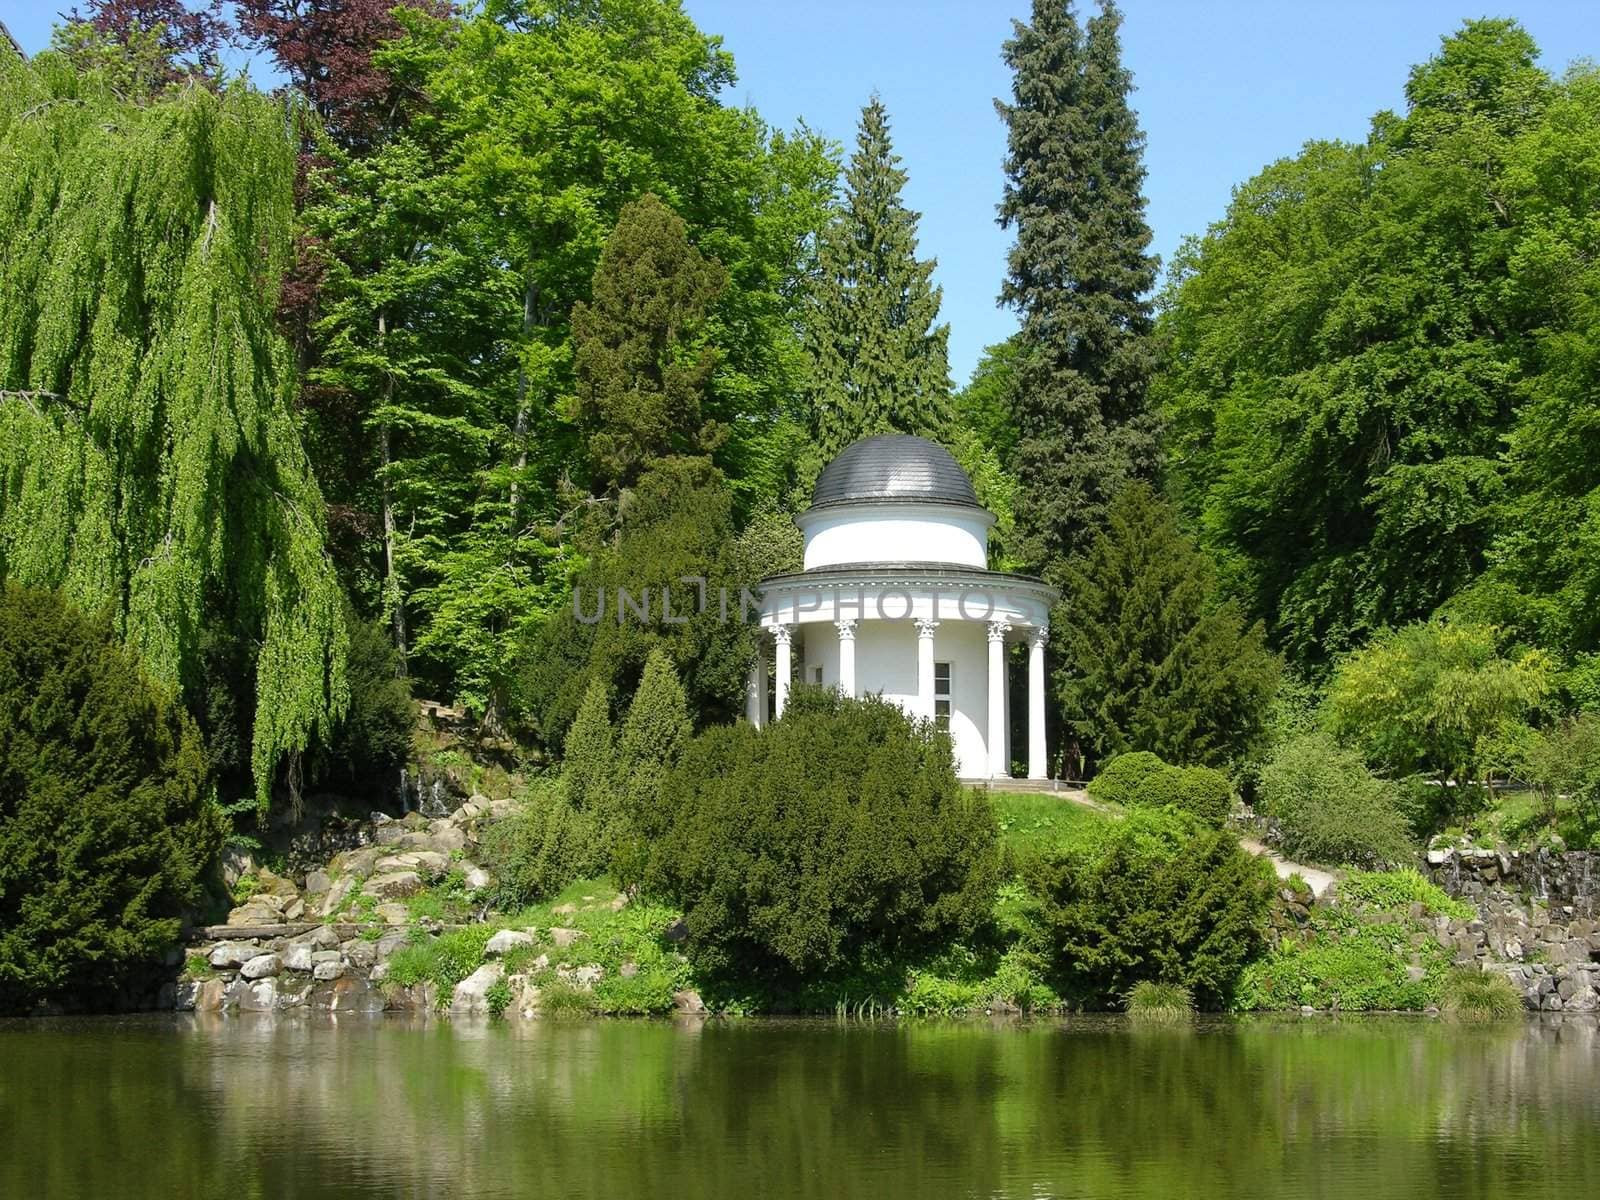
(150, 462)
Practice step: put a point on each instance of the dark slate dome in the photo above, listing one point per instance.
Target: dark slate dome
(894, 466)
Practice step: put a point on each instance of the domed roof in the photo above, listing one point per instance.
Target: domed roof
(894, 466)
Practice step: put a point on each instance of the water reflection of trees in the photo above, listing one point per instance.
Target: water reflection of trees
(278, 1107)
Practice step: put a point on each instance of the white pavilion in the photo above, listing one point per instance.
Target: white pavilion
(896, 599)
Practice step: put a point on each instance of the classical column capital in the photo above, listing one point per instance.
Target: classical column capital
(847, 630)
(1039, 635)
(782, 634)
(998, 630)
(925, 627)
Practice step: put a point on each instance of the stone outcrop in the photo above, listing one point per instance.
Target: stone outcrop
(1537, 920)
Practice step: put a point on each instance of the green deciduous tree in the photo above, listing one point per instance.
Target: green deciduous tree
(1327, 807)
(1359, 343)
(1152, 659)
(106, 819)
(1423, 697)
(879, 359)
(149, 456)
(1079, 274)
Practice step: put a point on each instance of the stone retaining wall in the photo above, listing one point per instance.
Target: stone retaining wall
(1537, 921)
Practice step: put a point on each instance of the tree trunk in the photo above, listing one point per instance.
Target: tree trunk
(392, 599)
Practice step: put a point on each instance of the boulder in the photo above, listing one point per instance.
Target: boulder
(360, 953)
(297, 956)
(348, 994)
(230, 956)
(335, 898)
(325, 971)
(479, 880)
(506, 941)
(393, 885)
(447, 837)
(584, 977)
(262, 966)
(353, 862)
(379, 973)
(318, 882)
(564, 937)
(678, 932)
(325, 937)
(389, 943)
(296, 911)
(471, 997)
(208, 995)
(429, 864)
(269, 883)
(688, 1001)
(393, 913)
(252, 913)
(236, 864)
(260, 996)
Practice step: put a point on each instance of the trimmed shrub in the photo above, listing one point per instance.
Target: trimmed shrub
(1161, 898)
(1120, 780)
(839, 835)
(372, 742)
(1141, 780)
(654, 734)
(1329, 808)
(106, 821)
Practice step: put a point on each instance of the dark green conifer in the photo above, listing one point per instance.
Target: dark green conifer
(1079, 275)
(879, 358)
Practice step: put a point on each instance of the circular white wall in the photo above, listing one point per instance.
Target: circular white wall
(891, 532)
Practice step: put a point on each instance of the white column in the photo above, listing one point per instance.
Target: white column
(998, 767)
(782, 634)
(1038, 766)
(925, 629)
(847, 656)
(755, 688)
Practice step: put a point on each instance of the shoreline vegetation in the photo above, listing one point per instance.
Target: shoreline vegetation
(317, 401)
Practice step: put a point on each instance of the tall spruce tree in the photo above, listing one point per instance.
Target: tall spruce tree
(879, 361)
(1079, 275)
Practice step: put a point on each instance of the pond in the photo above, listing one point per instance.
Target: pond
(1323, 1108)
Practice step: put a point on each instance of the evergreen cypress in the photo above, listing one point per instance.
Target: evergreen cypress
(1152, 660)
(1079, 275)
(879, 361)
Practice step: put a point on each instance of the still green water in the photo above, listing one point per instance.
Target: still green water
(242, 1108)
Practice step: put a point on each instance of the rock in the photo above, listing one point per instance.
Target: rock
(688, 1002)
(678, 932)
(428, 864)
(389, 943)
(447, 837)
(506, 941)
(236, 864)
(393, 914)
(1437, 858)
(471, 997)
(260, 996)
(619, 902)
(208, 995)
(297, 956)
(349, 994)
(230, 956)
(564, 910)
(269, 883)
(183, 996)
(628, 969)
(252, 913)
(335, 898)
(379, 973)
(542, 963)
(478, 880)
(325, 937)
(262, 966)
(293, 995)
(353, 862)
(325, 971)
(564, 937)
(393, 885)
(1415, 974)
(360, 953)
(1585, 1000)
(584, 977)
(317, 882)
(295, 912)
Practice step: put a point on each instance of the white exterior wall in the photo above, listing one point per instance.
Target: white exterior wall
(890, 532)
(886, 663)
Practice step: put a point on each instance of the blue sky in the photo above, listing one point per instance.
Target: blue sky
(1224, 87)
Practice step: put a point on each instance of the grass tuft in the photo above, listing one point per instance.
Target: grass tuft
(1473, 995)
(1149, 1001)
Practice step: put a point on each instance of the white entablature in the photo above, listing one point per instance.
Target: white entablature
(896, 598)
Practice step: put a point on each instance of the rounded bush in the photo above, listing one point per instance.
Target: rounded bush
(1120, 780)
(106, 825)
(837, 836)
(1151, 1001)
(1476, 995)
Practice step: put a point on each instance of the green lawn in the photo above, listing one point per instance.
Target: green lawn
(1031, 822)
